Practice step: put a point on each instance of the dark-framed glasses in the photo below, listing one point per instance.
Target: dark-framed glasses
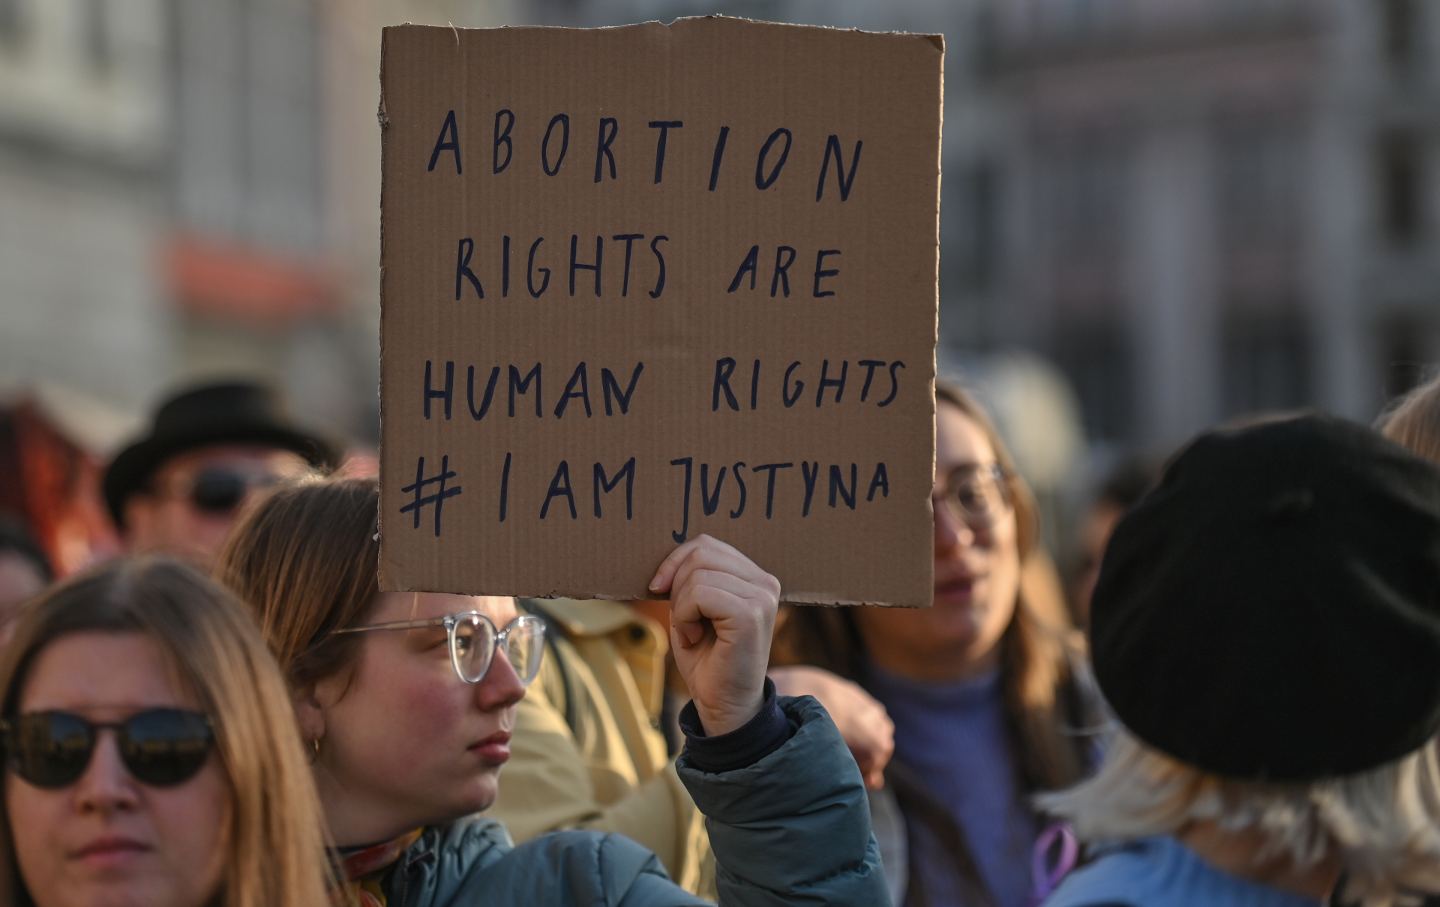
(474, 640)
(160, 747)
(977, 495)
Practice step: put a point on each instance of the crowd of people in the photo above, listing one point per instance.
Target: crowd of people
(1239, 703)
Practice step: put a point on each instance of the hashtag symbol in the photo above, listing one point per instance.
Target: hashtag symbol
(423, 500)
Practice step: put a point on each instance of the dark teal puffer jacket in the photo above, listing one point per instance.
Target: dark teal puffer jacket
(792, 829)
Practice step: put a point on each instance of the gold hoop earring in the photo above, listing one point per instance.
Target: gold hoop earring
(314, 750)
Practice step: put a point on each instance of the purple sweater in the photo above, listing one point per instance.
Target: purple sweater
(953, 736)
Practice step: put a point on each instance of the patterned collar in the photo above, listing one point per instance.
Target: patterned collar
(365, 867)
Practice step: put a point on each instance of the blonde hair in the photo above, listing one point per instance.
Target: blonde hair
(277, 855)
(1413, 420)
(1382, 825)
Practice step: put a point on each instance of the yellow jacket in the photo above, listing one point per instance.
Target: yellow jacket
(587, 751)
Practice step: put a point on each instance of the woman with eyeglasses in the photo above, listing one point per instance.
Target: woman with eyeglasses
(407, 701)
(985, 688)
(150, 754)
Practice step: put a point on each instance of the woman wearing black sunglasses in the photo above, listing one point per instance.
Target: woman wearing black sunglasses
(408, 701)
(150, 752)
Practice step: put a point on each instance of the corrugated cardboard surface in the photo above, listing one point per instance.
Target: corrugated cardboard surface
(881, 90)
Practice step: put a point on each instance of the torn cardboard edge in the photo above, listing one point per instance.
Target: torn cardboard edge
(403, 436)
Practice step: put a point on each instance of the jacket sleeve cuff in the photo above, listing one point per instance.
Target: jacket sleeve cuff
(757, 738)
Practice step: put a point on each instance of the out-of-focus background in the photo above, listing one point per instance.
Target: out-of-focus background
(1157, 214)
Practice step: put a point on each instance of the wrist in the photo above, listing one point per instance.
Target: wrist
(716, 722)
(765, 732)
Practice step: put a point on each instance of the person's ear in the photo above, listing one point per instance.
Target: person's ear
(310, 712)
(314, 700)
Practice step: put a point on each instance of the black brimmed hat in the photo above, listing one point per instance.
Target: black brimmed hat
(233, 412)
(1271, 611)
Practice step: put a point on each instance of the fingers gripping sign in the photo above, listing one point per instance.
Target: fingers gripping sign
(722, 615)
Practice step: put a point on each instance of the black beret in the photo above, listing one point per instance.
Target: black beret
(1271, 610)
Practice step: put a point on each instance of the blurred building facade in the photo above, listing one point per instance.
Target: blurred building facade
(1196, 208)
(190, 189)
(1215, 208)
(82, 163)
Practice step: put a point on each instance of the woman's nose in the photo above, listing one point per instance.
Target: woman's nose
(950, 530)
(501, 686)
(107, 785)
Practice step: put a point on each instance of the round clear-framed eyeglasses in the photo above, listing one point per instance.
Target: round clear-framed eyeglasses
(474, 640)
(977, 495)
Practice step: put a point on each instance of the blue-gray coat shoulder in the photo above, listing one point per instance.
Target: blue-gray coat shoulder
(472, 862)
(793, 829)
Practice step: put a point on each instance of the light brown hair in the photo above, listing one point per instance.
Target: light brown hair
(276, 841)
(1038, 651)
(1040, 648)
(305, 559)
(1413, 420)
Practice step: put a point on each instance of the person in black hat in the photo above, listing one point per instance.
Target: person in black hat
(1266, 628)
(177, 489)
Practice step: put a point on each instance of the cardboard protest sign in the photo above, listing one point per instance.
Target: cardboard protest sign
(642, 283)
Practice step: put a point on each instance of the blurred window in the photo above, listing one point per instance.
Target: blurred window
(1398, 24)
(97, 36)
(12, 24)
(1267, 361)
(1400, 174)
(1096, 355)
(250, 123)
(1084, 194)
(1086, 17)
(1259, 162)
(985, 42)
(977, 230)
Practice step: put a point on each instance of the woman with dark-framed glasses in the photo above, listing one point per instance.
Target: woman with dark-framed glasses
(150, 753)
(407, 701)
(986, 688)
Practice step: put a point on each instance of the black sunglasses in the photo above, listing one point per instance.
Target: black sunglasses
(220, 489)
(160, 747)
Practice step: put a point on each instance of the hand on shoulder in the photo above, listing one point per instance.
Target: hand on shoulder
(860, 718)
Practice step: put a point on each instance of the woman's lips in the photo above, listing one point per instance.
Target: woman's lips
(494, 749)
(960, 588)
(110, 852)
